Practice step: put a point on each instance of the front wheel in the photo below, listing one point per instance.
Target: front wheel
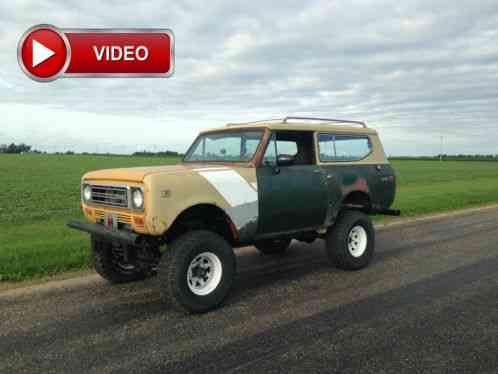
(196, 272)
(110, 263)
(350, 243)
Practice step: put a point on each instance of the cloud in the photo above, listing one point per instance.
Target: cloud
(4, 83)
(414, 70)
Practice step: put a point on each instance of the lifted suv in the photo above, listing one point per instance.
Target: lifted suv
(262, 183)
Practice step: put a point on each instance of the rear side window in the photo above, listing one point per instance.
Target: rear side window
(343, 147)
(327, 147)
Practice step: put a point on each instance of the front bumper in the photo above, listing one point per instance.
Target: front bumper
(102, 231)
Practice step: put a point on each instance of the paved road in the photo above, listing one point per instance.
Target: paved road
(428, 303)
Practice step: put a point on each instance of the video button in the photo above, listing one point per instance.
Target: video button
(46, 53)
(43, 53)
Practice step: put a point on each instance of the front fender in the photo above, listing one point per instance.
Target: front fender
(169, 195)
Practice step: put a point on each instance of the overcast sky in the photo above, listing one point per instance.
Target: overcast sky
(414, 70)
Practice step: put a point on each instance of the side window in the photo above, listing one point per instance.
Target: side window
(270, 156)
(327, 147)
(286, 147)
(351, 147)
(296, 147)
(343, 147)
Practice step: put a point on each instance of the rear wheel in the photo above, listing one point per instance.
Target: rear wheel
(112, 265)
(350, 243)
(273, 246)
(196, 272)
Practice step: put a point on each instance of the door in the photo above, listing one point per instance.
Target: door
(332, 173)
(292, 196)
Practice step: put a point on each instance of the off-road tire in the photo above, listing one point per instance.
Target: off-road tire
(273, 246)
(173, 269)
(107, 266)
(338, 240)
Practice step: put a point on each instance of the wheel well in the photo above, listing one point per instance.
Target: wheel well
(203, 216)
(357, 200)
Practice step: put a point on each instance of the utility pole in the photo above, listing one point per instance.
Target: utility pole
(441, 150)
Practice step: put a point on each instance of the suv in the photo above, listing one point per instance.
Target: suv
(262, 183)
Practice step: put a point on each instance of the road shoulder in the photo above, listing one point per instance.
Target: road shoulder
(76, 279)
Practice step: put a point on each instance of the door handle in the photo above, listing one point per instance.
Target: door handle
(330, 176)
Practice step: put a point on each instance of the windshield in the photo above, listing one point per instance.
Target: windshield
(230, 146)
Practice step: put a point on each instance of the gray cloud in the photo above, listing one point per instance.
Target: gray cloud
(414, 70)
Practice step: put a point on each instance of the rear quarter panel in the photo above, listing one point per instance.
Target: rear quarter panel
(372, 175)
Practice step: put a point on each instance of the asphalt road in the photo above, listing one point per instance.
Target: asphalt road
(427, 304)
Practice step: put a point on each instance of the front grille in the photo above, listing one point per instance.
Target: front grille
(110, 196)
(122, 217)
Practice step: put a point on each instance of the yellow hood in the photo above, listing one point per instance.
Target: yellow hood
(133, 174)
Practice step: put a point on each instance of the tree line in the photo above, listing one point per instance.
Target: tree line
(14, 148)
(459, 157)
(25, 148)
(160, 153)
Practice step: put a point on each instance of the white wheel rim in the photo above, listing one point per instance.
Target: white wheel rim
(204, 273)
(357, 241)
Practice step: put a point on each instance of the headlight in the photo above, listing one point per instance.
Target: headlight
(87, 192)
(137, 198)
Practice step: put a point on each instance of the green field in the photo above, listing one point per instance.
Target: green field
(39, 193)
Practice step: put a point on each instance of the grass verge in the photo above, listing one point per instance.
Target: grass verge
(40, 193)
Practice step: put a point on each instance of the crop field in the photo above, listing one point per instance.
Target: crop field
(39, 193)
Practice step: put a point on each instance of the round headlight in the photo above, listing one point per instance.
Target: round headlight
(87, 193)
(138, 199)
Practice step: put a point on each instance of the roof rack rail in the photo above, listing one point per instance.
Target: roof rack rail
(286, 119)
(253, 122)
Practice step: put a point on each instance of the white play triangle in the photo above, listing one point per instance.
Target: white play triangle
(40, 53)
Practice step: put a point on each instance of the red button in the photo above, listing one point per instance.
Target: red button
(115, 53)
(43, 53)
(46, 53)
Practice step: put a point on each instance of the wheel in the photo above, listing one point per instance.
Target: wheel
(273, 246)
(111, 265)
(196, 272)
(350, 243)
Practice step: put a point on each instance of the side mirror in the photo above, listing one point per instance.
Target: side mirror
(285, 160)
(272, 164)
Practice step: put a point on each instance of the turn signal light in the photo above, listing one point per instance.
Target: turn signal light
(139, 221)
